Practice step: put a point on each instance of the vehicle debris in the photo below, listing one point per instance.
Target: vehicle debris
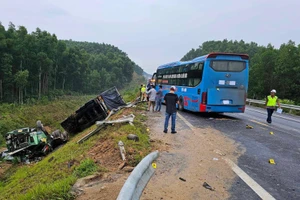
(102, 124)
(30, 144)
(207, 186)
(122, 150)
(249, 127)
(133, 137)
(182, 179)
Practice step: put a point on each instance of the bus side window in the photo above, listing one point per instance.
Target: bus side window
(196, 81)
(191, 82)
(200, 66)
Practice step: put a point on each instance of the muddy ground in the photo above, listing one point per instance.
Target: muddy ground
(193, 154)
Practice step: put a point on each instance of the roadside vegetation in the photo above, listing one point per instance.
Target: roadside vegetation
(282, 101)
(53, 176)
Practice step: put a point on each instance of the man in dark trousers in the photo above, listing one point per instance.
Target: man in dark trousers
(171, 99)
(271, 102)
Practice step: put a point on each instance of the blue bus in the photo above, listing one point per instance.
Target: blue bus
(217, 82)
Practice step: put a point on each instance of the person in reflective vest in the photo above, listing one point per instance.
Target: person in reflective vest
(143, 90)
(271, 102)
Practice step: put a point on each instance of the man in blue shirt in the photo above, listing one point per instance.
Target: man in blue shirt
(158, 99)
(171, 99)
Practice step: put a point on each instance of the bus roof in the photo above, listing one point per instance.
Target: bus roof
(215, 54)
(172, 64)
(202, 58)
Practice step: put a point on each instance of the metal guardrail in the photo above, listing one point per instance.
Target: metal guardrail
(138, 179)
(288, 106)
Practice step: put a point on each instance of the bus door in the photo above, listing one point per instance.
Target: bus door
(227, 82)
(154, 79)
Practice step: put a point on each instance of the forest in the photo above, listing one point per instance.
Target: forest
(270, 68)
(35, 65)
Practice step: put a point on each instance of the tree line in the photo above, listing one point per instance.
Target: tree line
(36, 64)
(270, 68)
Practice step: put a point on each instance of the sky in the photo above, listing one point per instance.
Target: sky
(155, 32)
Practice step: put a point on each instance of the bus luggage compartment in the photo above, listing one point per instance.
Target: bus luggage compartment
(226, 96)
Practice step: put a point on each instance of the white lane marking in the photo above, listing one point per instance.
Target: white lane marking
(275, 115)
(261, 192)
(245, 177)
(185, 121)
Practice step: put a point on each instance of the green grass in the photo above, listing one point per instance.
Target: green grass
(53, 177)
(86, 167)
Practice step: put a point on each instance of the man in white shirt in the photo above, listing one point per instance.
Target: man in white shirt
(152, 94)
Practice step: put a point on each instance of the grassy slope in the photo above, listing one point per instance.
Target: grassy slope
(52, 178)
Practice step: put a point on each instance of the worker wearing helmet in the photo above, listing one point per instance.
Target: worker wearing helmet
(143, 91)
(271, 102)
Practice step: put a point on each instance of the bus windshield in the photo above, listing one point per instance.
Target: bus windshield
(227, 66)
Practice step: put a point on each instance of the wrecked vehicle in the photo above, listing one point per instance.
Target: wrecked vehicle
(26, 144)
(94, 110)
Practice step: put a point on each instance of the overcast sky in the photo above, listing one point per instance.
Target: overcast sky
(155, 32)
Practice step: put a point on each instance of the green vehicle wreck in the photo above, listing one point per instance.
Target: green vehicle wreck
(29, 144)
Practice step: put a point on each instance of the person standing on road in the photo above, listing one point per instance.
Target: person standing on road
(159, 96)
(271, 102)
(171, 99)
(141, 93)
(152, 95)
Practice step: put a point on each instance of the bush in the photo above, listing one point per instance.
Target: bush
(86, 167)
(287, 101)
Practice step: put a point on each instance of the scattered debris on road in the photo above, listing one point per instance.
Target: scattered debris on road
(271, 161)
(207, 186)
(249, 127)
(182, 179)
(217, 151)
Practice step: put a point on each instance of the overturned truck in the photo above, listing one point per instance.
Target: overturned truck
(94, 110)
(26, 144)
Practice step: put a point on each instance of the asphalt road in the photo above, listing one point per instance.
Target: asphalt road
(281, 180)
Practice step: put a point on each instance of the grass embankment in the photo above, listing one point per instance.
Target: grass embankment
(53, 177)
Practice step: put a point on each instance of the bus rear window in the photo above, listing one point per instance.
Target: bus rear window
(227, 66)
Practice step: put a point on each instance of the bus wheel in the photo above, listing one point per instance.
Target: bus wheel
(181, 105)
